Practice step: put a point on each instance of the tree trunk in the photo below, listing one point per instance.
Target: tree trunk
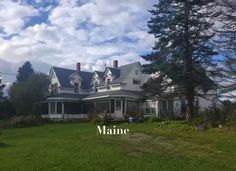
(190, 98)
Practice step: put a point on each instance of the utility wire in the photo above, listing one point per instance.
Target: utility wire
(4, 73)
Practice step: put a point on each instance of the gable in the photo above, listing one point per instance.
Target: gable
(64, 77)
(53, 77)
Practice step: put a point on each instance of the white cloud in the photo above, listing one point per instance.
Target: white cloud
(92, 32)
(13, 15)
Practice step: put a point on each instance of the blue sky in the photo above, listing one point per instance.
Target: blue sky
(63, 32)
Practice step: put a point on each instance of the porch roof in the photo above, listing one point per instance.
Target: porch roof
(116, 93)
(66, 96)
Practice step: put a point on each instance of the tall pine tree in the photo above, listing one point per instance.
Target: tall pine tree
(226, 42)
(24, 72)
(182, 55)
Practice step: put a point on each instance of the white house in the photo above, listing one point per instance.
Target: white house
(75, 94)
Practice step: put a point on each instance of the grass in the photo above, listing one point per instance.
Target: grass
(150, 146)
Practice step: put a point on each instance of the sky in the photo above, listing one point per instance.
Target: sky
(63, 32)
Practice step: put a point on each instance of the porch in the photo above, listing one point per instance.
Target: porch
(63, 107)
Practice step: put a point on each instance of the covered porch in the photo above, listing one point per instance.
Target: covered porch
(62, 107)
(118, 104)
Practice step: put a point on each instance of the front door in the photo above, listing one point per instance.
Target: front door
(118, 109)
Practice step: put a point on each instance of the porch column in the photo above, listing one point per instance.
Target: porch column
(49, 107)
(157, 111)
(109, 106)
(125, 111)
(122, 107)
(62, 108)
(55, 107)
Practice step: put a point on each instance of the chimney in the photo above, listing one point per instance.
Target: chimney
(115, 63)
(78, 66)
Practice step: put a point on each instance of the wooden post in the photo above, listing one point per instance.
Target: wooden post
(62, 108)
(55, 107)
(125, 111)
(49, 107)
(109, 106)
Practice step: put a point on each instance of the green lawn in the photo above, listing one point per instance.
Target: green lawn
(76, 146)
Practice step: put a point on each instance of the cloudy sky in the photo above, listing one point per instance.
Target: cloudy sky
(63, 32)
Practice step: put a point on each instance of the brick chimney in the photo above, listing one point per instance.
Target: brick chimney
(78, 66)
(115, 63)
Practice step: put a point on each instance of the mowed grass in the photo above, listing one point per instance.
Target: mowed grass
(76, 146)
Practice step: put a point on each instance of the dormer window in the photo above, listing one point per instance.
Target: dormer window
(136, 82)
(95, 86)
(54, 88)
(76, 87)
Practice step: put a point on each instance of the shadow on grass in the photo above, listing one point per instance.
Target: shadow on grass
(3, 145)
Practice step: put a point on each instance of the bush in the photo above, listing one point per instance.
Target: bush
(102, 119)
(133, 115)
(23, 121)
(212, 117)
(232, 118)
(153, 118)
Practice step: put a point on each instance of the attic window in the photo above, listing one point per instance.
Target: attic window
(76, 87)
(95, 85)
(137, 82)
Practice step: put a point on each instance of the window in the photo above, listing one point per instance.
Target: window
(52, 109)
(54, 88)
(118, 105)
(164, 106)
(137, 82)
(59, 107)
(76, 87)
(151, 107)
(136, 72)
(108, 81)
(95, 86)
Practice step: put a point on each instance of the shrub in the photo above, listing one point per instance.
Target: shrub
(153, 118)
(133, 115)
(212, 117)
(232, 118)
(23, 121)
(102, 119)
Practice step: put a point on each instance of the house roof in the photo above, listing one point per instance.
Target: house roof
(120, 73)
(117, 93)
(64, 74)
(114, 71)
(98, 95)
(100, 74)
(68, 96)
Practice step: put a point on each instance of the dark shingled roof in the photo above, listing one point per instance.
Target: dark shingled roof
(116, 93)
(100, 74)
(114, 71)
(121, 73)
(64, 74)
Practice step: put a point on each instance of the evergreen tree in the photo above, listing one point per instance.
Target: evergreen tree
(226, 42)
(24, 72)
(182, 55)
(27, 95)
